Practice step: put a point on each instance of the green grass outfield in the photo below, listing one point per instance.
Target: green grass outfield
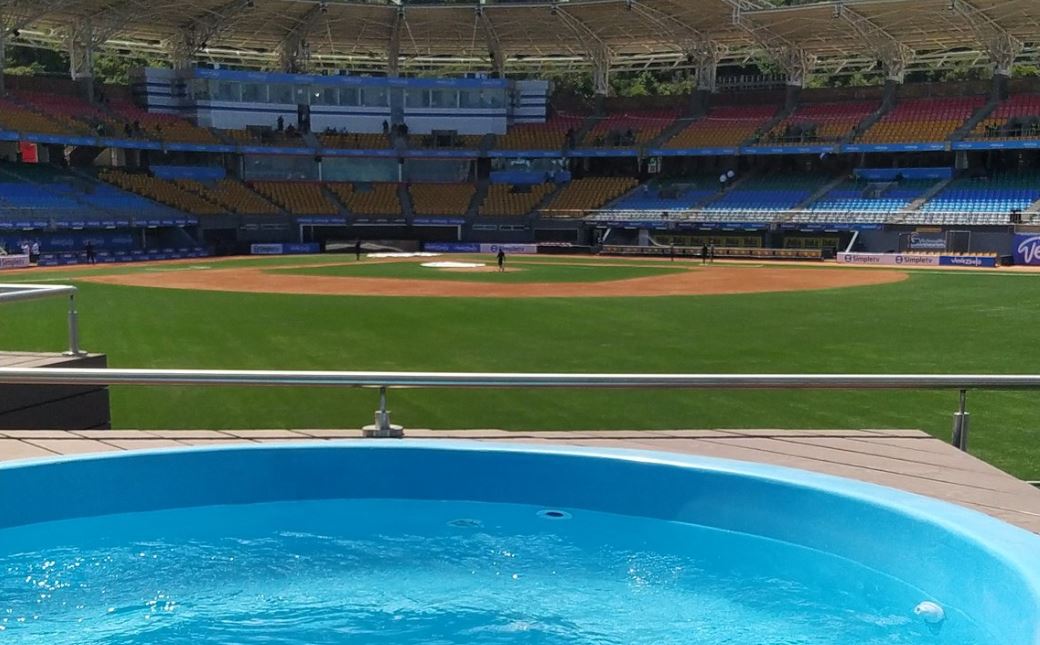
(943, 322)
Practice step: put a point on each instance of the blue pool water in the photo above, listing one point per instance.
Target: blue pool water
(284, 553)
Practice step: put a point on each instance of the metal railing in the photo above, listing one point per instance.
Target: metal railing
(24, 292)
(387, 380)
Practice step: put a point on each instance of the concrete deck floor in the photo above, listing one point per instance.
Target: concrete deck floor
(906, 459)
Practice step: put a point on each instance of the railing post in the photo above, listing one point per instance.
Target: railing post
(382, 428)
(961, 420)
(74, 349)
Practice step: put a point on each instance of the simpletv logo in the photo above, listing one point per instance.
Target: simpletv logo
(862, 259)
(1029, 248)
(913, 259)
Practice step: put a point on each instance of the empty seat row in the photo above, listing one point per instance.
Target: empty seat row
(589, 194)
(441, 199)
(504, 200)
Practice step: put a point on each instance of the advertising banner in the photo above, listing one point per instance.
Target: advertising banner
(14, 261)
(452, 247)
(986, 261)
(1026, 249)
(888, 259)
(516, 249)
(927, 241)
(284, 249)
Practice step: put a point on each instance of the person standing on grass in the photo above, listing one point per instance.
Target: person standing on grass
(91, 259)
(357, 250)
(704, 254)
(711, 254)
(501, 260)
(671, 251)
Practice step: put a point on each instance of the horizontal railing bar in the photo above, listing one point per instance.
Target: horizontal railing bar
(22, 292)
(92, 376)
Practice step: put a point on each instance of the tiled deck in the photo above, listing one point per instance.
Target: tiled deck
(906, 459)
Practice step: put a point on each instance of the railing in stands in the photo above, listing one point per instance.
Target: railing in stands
(24, 292)
(384, 381)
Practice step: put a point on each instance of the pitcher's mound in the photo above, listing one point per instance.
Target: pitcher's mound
(453, 265)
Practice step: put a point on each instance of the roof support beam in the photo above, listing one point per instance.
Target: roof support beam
(598, 52)
(682, 34)
(894, 55)
(706, 56)
(494, 44)
(699, 49)
(194, 35)
(294, 51)
(393, 50)
(1002, 47)
(796, 63)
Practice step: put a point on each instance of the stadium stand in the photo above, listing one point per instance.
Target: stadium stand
(819, 123)
(551, 135)
(75, 114)
(998, 194)
(1018, 117)
(298, 198)
(165, 127)
(162, 191)
(441, 199)
(632, 128)
(54, 192)
(724, 126)
(872, 197)
(355, 141)
(464, 141)
(771, 193)
(232, 195)
(504, 200)
(668, 195)
(265, 138)
(369, 199)
(16, 118)
(589, 193)
(932, 119)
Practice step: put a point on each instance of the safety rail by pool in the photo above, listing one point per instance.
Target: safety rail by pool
(386, 380)
(23, 292)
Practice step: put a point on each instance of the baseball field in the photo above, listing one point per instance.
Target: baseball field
(555, 314)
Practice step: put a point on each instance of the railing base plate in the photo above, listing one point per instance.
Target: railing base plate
(388, 432)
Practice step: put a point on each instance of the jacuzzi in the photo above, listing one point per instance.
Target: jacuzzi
(442, 542)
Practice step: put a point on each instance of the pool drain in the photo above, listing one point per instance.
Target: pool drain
(553, 514)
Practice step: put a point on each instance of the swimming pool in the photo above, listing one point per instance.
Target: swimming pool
(455, 542)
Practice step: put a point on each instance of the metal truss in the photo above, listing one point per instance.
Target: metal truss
(1003, 48)
(797, 63)
(894, 55)
(194, 35)
(294, 52)
(598, 51)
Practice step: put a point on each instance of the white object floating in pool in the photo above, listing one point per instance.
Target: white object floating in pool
(419, 254)
(453, 265)
(930, 612)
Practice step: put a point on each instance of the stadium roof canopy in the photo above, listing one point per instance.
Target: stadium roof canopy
(831, 37)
